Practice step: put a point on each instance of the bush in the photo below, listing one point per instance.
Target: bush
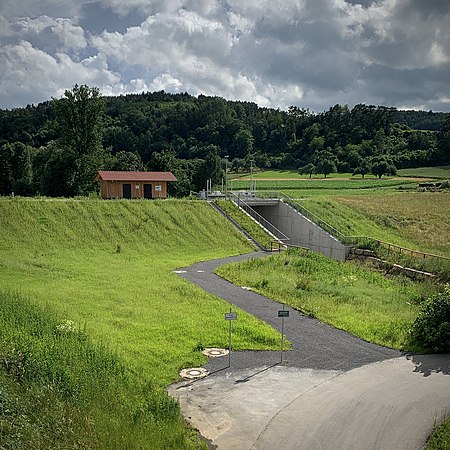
(431, 329)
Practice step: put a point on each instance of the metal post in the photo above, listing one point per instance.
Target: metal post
(282, 336)
(229, 346)
(251, 175)
(226, 176)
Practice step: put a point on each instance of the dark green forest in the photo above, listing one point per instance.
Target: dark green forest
(55, 148)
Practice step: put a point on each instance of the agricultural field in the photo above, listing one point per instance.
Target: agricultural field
(441, 172)
(321, 184)
(295, 175)
(106, 268)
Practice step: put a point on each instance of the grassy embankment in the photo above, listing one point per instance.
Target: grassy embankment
(414, 220)
(247, 223)
(343, 294)
(107, 266)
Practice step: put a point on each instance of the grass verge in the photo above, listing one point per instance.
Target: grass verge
(61, 390)
(440, 439)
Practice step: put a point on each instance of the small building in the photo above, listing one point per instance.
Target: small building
(130, 185)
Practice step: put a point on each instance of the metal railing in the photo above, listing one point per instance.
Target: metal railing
(272, 229)
(308, 214)
(356, 241)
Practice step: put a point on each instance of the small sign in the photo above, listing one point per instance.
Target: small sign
(283, 313)
(231, 316)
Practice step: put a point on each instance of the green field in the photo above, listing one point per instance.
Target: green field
(440, 439)
(322, 184)
(442, 172)
(361, 301)
(108, 267)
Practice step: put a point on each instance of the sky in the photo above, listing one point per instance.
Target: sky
(308, 53)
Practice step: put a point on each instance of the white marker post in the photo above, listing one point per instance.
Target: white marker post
(282, 313)
(230, 317)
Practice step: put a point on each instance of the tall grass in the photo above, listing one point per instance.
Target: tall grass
(344, 294)
(61, 390)
(108, 267)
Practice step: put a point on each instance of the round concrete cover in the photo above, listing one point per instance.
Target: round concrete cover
(193, 373)
(215, 352)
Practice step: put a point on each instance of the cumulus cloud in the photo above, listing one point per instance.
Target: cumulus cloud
(30, 74)
(311, 53)
(67, 35)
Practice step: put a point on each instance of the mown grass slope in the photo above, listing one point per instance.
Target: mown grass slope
(108, 267)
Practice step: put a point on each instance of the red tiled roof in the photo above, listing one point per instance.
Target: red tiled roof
(135, 176)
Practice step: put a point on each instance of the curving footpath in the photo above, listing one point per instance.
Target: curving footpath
(332, 390)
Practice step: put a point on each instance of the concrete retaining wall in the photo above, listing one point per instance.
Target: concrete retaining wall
(302, 231)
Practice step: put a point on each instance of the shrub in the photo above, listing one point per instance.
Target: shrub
(431, 329)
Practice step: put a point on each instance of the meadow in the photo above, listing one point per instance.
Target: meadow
(108, 268)
(440, 172)
(344, 294)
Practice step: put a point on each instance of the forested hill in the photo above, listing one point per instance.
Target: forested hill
(56, 147)
(421, 120)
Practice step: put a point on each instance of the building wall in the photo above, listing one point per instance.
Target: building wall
(114, 189)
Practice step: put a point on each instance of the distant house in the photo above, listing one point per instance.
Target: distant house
(134, 184)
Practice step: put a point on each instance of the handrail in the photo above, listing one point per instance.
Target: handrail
(344, 239)
(272, 229)
(311, 216)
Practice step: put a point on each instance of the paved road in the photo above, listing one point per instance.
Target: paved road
(333, 391)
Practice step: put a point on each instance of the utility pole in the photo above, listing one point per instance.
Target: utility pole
(226, 176)
(251, 175)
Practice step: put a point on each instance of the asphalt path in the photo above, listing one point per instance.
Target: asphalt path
(331, 391)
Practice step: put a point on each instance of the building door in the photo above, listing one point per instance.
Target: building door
(126, 190)
(147, 190)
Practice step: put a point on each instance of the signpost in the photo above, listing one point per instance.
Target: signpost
(282, 313)
(230, 317)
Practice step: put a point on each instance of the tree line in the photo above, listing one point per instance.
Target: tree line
(55, 148)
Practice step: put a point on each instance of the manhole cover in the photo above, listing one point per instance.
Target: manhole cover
(193, 373)
(215, 352)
